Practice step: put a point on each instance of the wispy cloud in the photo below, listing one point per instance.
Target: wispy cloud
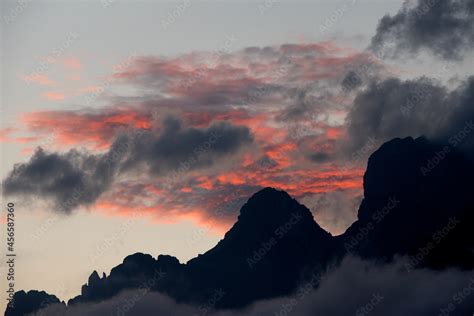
(72, 63)
(38, 79)
(54, 96)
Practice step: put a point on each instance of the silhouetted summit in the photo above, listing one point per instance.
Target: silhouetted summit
(259, 247)
(417, 197)
(268, 214)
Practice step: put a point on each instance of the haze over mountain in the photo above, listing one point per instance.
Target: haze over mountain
(418, 204)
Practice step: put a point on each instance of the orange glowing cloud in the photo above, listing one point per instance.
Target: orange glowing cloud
(334, 132)
(74, 128)
(189, 202)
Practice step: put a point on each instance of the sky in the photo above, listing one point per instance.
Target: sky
(133, 126)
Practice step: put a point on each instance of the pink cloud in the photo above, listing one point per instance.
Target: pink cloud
(7, 137)
(5, 134)
(72, 63)
(54, 96)
(96, 129)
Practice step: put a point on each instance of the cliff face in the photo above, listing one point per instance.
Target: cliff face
(417, 195)
(418, 201)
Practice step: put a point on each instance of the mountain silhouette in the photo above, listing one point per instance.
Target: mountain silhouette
(417, 200)
(259, 246)
(25, 303)
(274, 240)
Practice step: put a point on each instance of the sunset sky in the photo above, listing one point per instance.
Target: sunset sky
(162, 118)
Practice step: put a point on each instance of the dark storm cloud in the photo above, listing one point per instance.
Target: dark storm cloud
(387, 290)
(395, 108)
(445, 27)
(70, 179)
(320, 157)
(304, 101)
(351, 81)
(76, 178)
(189, 148)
